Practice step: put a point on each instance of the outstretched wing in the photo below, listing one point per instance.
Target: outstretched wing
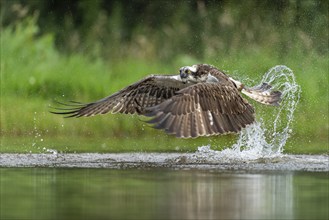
(202, 109)
(135, 98)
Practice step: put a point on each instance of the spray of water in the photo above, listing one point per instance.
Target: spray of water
(264, 138)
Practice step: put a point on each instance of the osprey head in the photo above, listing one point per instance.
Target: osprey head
(196, 73)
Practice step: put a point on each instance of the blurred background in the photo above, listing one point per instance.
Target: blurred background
(85, 50)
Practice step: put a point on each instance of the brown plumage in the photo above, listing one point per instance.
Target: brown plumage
(201, 101)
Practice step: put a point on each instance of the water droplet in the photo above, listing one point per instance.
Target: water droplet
(52, 151)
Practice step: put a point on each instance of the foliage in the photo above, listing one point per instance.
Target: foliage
(163, 29)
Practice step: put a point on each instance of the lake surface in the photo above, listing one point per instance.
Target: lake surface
(142, 190)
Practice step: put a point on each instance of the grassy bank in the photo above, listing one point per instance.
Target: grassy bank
(34, 73)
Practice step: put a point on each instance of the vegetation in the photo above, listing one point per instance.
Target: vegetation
(114, 45)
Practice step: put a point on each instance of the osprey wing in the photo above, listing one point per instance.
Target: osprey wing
(135, 98)
(202, 109)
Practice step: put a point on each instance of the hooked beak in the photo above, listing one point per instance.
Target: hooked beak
(183, 73)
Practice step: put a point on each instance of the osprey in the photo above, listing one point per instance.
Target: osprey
(200, 101)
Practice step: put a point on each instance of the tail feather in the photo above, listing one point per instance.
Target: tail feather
(263, 94)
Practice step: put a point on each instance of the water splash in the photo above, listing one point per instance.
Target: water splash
(51, 151)
(265, 137)
(36, 133)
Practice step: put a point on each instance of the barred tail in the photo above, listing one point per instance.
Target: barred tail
(263, 94)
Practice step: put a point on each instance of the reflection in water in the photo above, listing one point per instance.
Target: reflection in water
(228, 196)
(52, 193)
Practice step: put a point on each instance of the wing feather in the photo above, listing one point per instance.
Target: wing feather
(134, 99)
(202, 109)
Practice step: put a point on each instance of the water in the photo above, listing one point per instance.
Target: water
(76, 193)
(207, 160)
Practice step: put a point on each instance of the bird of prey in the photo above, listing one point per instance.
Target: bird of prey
(201, 101)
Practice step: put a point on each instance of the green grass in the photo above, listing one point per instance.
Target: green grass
(159, 142)
(34, 73)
